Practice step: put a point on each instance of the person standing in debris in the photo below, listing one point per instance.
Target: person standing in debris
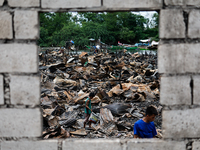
(98, 48)
(145, 127)
(72, 45)
(88, 109)
(72, 42)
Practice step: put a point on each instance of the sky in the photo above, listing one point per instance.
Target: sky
(146, 14)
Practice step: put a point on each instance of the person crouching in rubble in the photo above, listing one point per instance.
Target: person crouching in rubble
(88, 109)
(145, 127)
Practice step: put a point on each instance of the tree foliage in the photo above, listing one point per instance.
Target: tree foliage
(126, 27)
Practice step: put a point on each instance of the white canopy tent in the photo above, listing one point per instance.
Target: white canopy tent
(154, 43)
(145, 41)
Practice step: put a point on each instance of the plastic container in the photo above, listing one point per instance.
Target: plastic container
(94, 117)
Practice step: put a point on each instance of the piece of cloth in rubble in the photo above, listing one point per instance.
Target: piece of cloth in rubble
(87, 111)
(144, 130)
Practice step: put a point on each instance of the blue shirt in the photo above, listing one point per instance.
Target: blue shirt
(144, 130)
(72, 42)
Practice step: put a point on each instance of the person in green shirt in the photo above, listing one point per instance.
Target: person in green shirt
(88, 109)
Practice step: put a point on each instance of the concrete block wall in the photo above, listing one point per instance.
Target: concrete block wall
(178, 62)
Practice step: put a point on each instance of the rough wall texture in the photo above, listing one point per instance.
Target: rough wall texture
(94, 144)
(6, 25)
(16, 55)
(30, 145)
(172, 24)
(70, 3)
(1, 2)
(178, 63)
(26, 24)
(179, 58)
(133, 4)
(175, 126)
(182, 3)
(17, 122)
(154, 145)
(175, 90)
(24, 90)
(196, 93)
(1, 90)
(24, 3)
(193, 30)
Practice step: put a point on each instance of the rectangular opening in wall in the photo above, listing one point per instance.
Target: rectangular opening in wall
(111, 54)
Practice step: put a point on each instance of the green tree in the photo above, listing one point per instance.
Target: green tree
(153, 30)
(126, 27)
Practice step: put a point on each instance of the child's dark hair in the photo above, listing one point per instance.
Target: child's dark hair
(91, 94)
(151, 110)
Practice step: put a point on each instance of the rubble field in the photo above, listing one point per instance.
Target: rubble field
(125, 84)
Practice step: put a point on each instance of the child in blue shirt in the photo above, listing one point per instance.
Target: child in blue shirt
(145, 127)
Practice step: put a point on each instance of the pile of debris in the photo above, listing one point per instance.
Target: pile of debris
(124, 83)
